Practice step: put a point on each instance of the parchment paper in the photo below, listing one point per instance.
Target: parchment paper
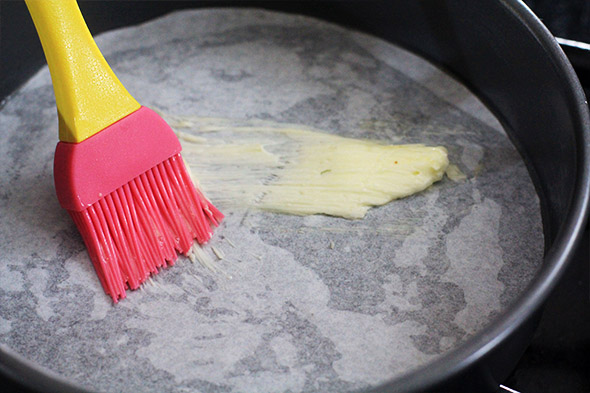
(302, 304)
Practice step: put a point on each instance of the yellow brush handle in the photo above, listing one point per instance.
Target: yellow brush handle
(89, 96)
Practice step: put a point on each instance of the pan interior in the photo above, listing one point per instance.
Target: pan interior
(296, 304)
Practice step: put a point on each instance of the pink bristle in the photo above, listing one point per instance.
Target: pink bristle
(213, 215)
(182, 230)
(144, 224)
(127, 254)
(147, 255)
(164, 243)
(108, 208)
(163, 205)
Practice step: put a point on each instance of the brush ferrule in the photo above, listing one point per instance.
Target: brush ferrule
(87, 171)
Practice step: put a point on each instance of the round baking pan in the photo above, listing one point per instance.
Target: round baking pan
(504, 54)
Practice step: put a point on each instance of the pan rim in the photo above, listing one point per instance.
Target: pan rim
(557, 256)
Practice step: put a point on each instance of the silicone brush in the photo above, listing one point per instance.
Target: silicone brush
(117, 169)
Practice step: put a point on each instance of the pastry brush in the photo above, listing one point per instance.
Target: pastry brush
(117, 168)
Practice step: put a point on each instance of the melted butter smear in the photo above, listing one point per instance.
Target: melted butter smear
(297, 170)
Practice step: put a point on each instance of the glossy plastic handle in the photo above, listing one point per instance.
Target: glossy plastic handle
(88, 94)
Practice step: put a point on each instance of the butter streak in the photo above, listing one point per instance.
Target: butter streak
(297, 170)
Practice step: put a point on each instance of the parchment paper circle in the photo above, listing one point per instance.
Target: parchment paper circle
(408, 283)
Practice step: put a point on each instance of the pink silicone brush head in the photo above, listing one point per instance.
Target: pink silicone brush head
(132, 227)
